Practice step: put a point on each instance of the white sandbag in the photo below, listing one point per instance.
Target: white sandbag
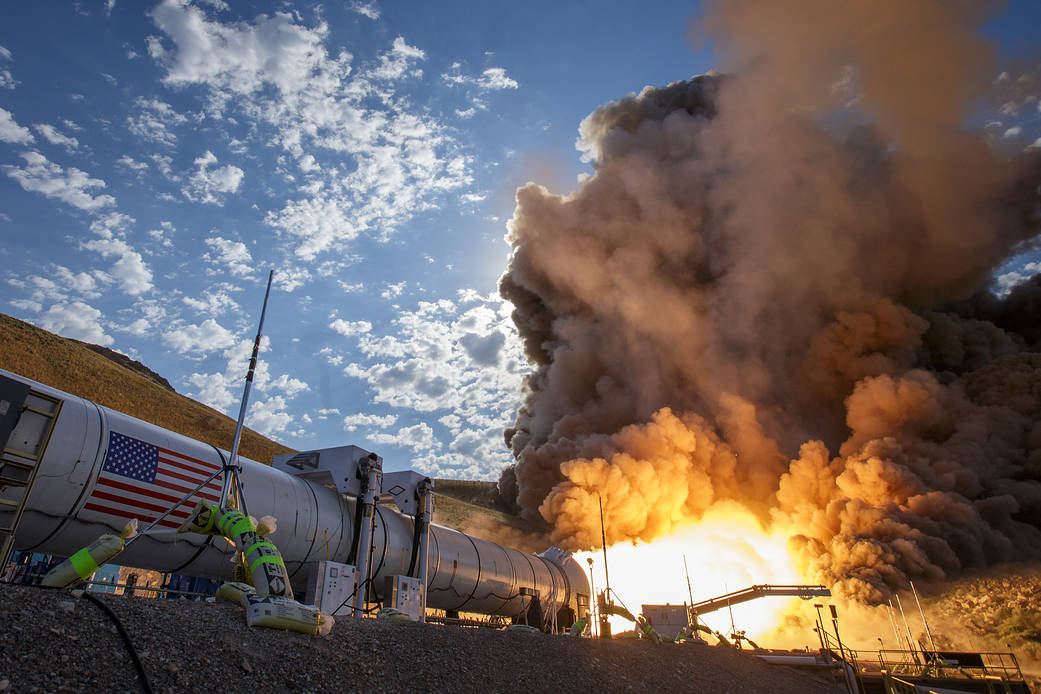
(283, 613)
(89, 559)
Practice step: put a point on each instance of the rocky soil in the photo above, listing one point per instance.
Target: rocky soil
(997, 610)
(54, 642)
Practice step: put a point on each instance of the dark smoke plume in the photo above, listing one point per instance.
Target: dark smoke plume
(773, 290)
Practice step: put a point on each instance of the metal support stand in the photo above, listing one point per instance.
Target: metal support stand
(601, 605)
(426, 501)
(370, 471)
(851, 682)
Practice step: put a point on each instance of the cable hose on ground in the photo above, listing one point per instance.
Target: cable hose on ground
(146, 686)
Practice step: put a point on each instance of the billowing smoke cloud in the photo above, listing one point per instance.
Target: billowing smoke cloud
(773, 290)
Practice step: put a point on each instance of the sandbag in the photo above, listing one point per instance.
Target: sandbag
(201, 520)
(265, 568)
(234, 592)
(648, 631)
(523, 628)
(277, 612)
(89, 559)
(393, 614)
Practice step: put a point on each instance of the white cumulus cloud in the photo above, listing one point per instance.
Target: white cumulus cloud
(77, 320)
(275, 71)
(349, 328)
(231, 254)
(353, 422)
(153, 121)
(419, 437)
(7, 80)
(13, 133)
(56, 137)
(269, 416)
(71, 186)
(130, 269)
(210, 184)
(492, 79)
(460, 360)
(366, 9)
(204, 338)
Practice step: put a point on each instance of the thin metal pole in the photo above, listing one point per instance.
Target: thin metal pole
(851, 682)
(593, 630)
(910, 639)
(603, 541)
(730, 606)
(690, 591)
(820, 628)
(892, 622)
(234, 459)
(690, 594)
(932, 644)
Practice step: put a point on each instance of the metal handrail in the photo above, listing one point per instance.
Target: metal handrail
(34, 579)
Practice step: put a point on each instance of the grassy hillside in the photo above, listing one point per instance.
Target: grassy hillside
(122, 385)
(473, 492)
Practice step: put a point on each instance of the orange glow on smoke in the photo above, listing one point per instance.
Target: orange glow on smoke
(727, 550)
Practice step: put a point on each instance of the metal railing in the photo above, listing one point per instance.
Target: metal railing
(128, 589)
(467, 619)
(995, 684)
(928, 663)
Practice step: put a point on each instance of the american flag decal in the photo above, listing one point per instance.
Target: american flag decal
(141, 480)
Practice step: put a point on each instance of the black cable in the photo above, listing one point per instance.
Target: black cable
(145, 684)
(347, 599)
(417, 534)
(138, 666)
(352, 557)
(420, 525)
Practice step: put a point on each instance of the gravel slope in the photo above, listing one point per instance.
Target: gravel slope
(53, 642)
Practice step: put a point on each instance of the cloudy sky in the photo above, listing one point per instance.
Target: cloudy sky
(158, 159)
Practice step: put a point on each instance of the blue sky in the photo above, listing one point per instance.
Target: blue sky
(157, 159)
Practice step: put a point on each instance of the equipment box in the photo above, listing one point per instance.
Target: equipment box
(404, 593)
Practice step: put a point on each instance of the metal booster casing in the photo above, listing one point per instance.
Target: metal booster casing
(86, 485)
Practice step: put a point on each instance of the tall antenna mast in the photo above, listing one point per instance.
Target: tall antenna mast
(234, 459)
(603, 540)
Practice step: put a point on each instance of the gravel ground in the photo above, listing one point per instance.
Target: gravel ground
(53, 642)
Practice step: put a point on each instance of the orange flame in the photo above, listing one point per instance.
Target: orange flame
(727, 550)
